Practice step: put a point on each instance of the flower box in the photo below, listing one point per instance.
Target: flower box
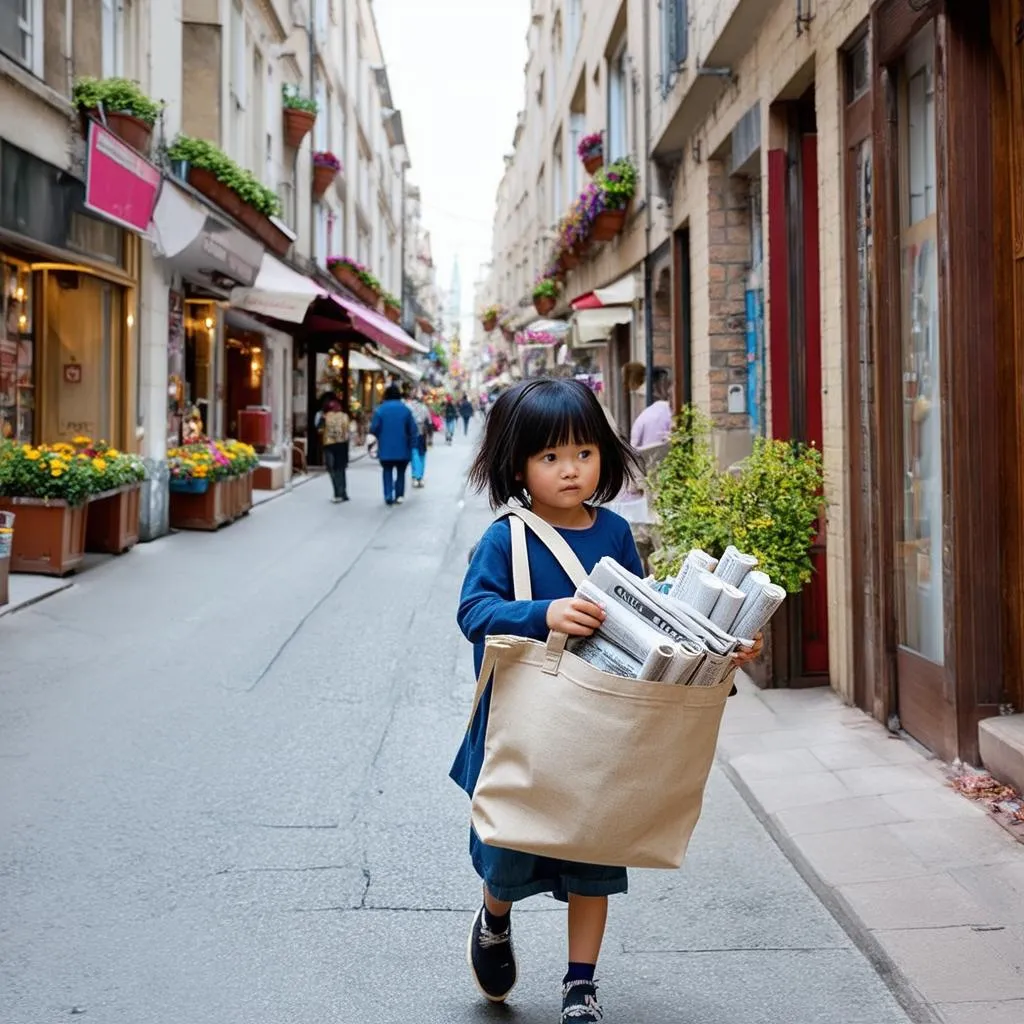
(297, 125)
(112, 520)
(131, 130)
(50, 539)
(609, 224)
(266, 231)
(544, 304)
(393, 313)
(217, 192)
(204, 511)
(347, 277)
(188, 485)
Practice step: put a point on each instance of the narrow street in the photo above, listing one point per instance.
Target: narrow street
(223, 767)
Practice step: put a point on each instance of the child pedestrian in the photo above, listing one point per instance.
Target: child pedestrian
(548, 445)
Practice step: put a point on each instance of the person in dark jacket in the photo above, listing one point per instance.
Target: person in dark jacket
(451, 418)
(394, 427)
(466, 412)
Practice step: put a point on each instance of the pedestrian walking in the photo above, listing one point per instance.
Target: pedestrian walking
(451, 417)
(548, 445)
(421, 414)
(654, 424)
(466, 412)
(395, 430)
(337, 428)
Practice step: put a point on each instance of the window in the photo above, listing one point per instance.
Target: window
(557, 173)
(542, 208)
(574, 21)
(323, 15)
(21, 32)
(270, 101)
(618, 106)
(577, 129)
(258, 136)
(674, 40)
(239, 84)
(321, 127)
(112, 34)
(363, 254)
(321, 245)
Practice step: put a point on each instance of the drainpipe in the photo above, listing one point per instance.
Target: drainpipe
(69, 42)
(312, 94)
(648, 171)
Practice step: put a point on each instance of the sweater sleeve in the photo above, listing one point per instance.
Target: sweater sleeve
(487, 607)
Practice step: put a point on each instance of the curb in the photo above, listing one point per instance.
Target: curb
(22, 605)
(908, 997)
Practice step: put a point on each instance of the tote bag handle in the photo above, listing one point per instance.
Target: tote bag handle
(519, 519)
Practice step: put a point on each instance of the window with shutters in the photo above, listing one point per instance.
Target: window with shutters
(675, 38)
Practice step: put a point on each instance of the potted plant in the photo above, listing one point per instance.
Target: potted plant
(591, 152)
(545, 295)
(6, 543)
(210, 482)
(46, 487)
(299, 115)
(326, 167)
(489, 317)
(234, 189)
(616, 185)
(357, 278)
(112, 513)
(392, 307)
(130, 114)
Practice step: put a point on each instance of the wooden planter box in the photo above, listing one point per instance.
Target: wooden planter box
(206, 511)
(347, 276)
(50, 536)
(228, 200)
(393, 313)
(131, 130)
(112, 520)
(544, 305)
(5, 569)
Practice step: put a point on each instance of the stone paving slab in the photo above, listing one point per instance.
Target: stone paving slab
(929, 887)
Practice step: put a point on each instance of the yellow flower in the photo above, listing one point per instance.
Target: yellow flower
(99, 465)
(112, 453)
(56, 472)
(82, 441)
(31, 454)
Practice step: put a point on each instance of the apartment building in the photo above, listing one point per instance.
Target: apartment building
(822, 246)
(137, 292)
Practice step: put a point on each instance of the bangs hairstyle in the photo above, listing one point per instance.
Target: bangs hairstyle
(540, 414)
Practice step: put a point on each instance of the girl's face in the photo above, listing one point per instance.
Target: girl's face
(563, 477)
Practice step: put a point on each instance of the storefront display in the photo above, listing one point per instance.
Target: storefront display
(17, 350)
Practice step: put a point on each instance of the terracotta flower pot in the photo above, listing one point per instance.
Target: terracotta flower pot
(570, 260)
(207, 511)
(297, 125)
(393, 313)
(489, 323)
(608, 225)
(131, 130)
(112, 520)
(50, 536)
(544, 304)
(217, 192)
(347, 277)
(323, 178)
(594, 163)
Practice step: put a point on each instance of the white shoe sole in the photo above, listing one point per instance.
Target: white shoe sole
(472, 969)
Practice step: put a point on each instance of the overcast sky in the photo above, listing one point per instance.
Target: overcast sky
(456, 73)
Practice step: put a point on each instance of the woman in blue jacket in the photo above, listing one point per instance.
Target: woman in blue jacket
(394, 427)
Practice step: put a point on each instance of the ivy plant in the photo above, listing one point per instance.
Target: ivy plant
(206, 156)
(118, 96)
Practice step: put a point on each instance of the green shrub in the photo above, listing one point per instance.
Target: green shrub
(205, 155)
(118, 96)
(546, 288)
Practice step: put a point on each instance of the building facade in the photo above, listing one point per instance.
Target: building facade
(124, 330)
(823, 246)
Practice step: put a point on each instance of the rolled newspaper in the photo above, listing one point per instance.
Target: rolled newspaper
(755, 579)
(605, 655)
(657, 663)
(693, 563)
(713, 669)
(734, 565)
(757, 609)
(704, 592)
(625, 629)
(687, 657)
(727, 607)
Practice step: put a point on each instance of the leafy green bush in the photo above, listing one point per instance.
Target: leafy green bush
(205, 155)
(294, 100)
(118, 96)
(546, 288)
(768, 507)
(617, 182)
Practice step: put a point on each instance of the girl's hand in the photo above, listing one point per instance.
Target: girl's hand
(574, 616)
(739, 660)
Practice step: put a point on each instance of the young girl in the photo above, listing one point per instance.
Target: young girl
(548, 445)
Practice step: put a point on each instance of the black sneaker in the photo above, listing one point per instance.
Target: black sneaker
(579, 1003)
(492, 958)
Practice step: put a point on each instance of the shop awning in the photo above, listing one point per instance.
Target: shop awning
(619, 293)
(378, 328)
(199, 244)
(278, 292)
(360, 362)
(406, 370)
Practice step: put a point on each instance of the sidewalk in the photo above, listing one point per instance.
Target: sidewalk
(924, 882)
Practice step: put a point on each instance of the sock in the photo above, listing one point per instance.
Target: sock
(496, 925)
(579, 972)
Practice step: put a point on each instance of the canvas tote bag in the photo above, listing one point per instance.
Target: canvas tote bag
(581, 765)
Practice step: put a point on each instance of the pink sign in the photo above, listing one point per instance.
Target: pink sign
(119, 184)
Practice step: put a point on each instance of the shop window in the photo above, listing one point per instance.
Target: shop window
(200, 349)
(920, 525)
(17, 354)
(618, 106)
(21, 32)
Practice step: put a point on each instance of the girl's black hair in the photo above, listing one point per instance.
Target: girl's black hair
(546, 413)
